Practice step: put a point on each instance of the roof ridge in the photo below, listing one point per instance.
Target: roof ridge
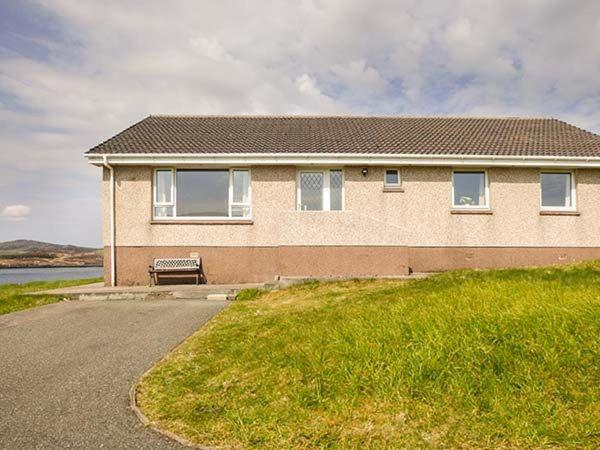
(341, 116)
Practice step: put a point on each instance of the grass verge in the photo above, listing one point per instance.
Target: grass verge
(15, 297)
(506, 358)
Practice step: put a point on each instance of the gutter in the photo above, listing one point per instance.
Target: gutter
(112, 220)
(380, 159)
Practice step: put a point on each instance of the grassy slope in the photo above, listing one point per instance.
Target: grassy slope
(13, 296)
(474, 359)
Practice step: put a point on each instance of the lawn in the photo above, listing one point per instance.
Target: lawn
(14, 297)
(472, 359)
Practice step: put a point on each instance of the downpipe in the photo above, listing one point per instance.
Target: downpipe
(112, 219)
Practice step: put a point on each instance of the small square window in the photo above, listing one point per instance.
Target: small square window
(392, 177)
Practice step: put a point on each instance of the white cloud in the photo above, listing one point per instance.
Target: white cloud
(307, 86)
(307, 57)
(360, 78)
(210, 47)
(15, 212)
(473, 51)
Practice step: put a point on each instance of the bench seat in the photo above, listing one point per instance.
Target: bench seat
(175, 266)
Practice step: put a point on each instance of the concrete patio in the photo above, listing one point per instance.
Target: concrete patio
(98, 291)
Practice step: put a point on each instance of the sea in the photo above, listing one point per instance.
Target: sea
(19, 276)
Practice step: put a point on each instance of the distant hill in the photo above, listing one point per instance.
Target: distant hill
(26, 253)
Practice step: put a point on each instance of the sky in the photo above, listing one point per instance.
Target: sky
(74, 73)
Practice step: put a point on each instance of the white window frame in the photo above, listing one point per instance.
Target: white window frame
(231, 202)
(486, 181)
(326, 194)
(173, 203)
(155, 202)
(573, 206)
(397, 170)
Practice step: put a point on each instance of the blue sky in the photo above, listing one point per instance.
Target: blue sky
(73, 73)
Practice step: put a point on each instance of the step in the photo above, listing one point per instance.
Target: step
(175, 295)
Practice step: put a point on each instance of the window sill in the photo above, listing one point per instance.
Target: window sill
(393, 189)
(203, 222)
(484, 212)
(560, 213)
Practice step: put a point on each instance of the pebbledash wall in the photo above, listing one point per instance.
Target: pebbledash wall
(378, 233)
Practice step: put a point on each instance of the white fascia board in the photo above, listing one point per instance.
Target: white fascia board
(305, 159)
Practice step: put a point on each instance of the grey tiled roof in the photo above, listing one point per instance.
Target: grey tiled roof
(347, 135)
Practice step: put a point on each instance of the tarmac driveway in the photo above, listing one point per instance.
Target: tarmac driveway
(66, 369)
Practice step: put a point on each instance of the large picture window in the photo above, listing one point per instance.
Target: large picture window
(558, 191)
(201, 193)
(469, 189)
(321, 190)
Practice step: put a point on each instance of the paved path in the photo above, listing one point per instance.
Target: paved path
(66, 370)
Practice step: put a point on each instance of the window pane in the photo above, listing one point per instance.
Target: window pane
(392, 177)
(556, 189)
(163, 211)
(163, 186)
(335, 189)
(311, 191)
(202, 193)
(241, 185)
(469, 189)
(240, 211)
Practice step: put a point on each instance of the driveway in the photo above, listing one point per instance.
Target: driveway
(66, 369)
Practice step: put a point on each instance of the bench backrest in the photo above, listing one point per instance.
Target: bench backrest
(176, 263)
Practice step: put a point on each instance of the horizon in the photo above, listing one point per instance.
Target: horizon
(46, 242)
(73, 74)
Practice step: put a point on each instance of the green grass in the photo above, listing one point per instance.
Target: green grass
(14, 297)
(471, 359)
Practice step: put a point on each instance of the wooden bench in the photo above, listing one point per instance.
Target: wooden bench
(175, 266)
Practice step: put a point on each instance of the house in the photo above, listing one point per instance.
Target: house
(262, 197)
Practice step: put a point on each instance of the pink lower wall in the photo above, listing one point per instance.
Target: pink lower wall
(260, 264)
(263, 264)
